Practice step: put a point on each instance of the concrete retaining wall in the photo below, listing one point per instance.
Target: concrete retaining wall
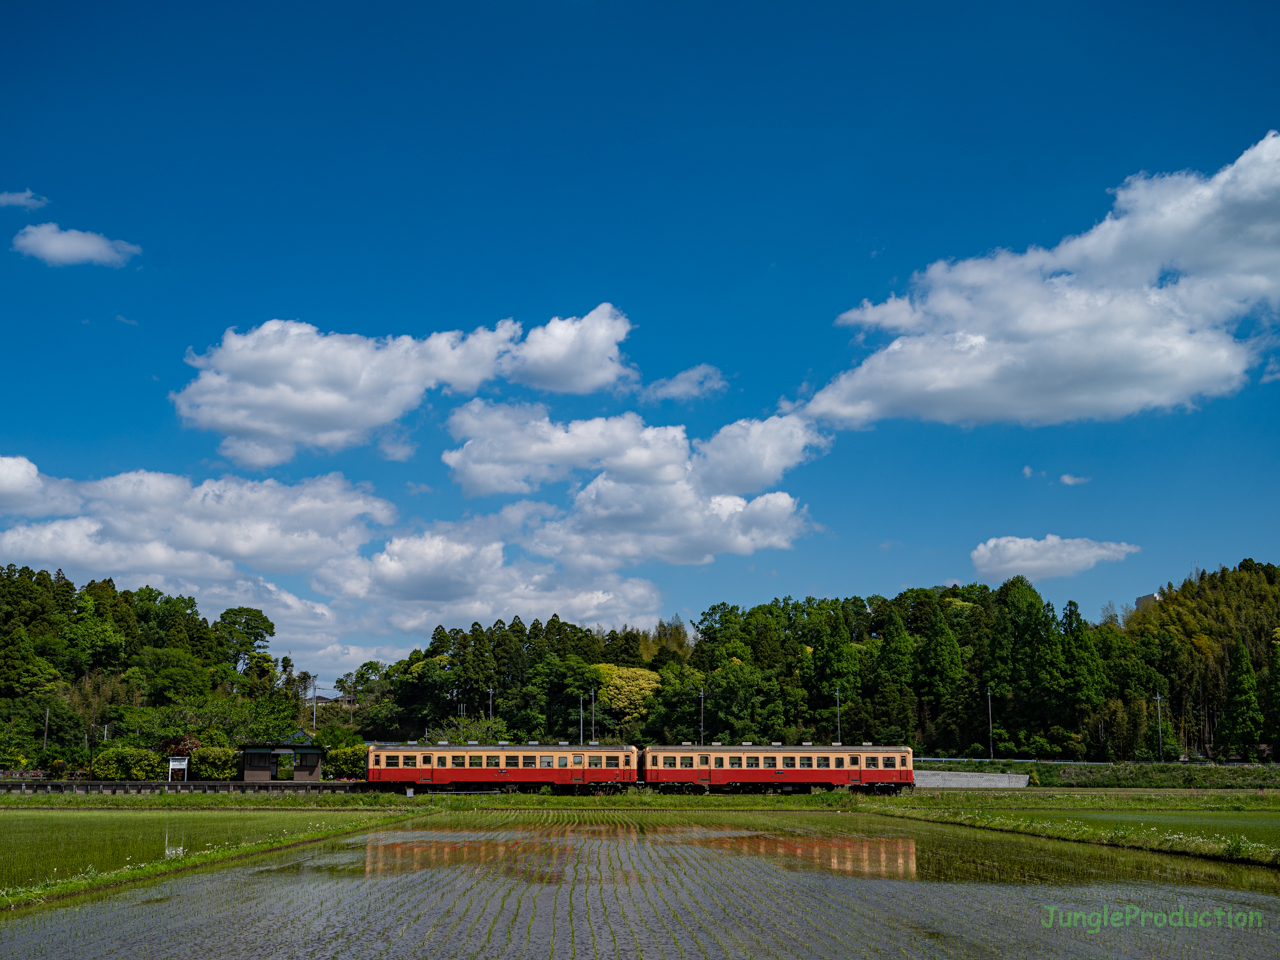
(947, 779)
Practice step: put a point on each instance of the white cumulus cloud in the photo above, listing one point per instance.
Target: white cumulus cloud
(1003, 557)
(1141, 312)
(700, 381)
(515, 448)
(1073, 481)
(285, 385)
(61, 248)
(573, 355)
(650, 496)
(750, 455)
(25, 198)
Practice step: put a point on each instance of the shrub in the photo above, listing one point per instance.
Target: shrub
(347, 763)
(128, 763)
(214, 763)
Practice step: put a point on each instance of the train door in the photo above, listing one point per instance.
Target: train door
(704, 768)
(575, 771)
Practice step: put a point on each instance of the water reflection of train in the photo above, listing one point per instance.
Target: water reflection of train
(593, 768)
(542, 856)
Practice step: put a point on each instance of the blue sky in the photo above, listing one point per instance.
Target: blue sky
(733, 179)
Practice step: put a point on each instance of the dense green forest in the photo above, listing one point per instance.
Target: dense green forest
(142, 669)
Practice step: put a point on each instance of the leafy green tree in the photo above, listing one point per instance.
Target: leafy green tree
(892, 698)
(22, 672)
(1272, 727)
(939, 679)
(622, 647)
(1241, 725)
(243, 631)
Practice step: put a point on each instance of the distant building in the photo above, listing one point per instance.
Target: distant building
(1150, 600)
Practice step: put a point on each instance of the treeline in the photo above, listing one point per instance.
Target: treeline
(920, 668)
(83, 668)
(1197, 672)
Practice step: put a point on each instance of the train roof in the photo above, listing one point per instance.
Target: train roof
(422, 746)
(779, 747)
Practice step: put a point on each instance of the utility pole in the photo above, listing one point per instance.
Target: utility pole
(593, 713)
(839, 735)
(702, 715)
(313, 703)
(1160, 727)
(579, 719)
(991, 742)
(491, 704)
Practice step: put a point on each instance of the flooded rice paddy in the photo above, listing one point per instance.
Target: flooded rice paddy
(42, 845)
(673, 886)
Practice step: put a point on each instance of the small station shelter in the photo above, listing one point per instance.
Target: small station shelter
(261, 760)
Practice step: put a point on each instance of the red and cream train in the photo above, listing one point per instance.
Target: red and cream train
(739, 768)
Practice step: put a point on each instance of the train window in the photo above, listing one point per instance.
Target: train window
(545, 762)
(459, 761)
(735, 763)
(440, 760)
(669, 763)
(493, 761)
(564, 761)
(377, 759)
(753, 763)
(410, 761)
(577, 759)
(475, 761)
(612, 762)
(839, 763)
(853, 761)
(806, 762)
(513, 763)
(719, 763)
(594, 761)
(704, 760)
(627, 761)
(824, 763)
(530, 762)
(770, 762)
(653, 759)
(789, 762)
(872, 763)
(393, 760)
(902, 762)
(888, 763)
(426, 759)
(686, 763)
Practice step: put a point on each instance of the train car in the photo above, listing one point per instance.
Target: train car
(507, 766)
(752, 768)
